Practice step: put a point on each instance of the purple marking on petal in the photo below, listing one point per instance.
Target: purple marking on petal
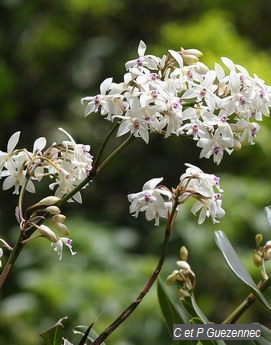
(262, 93)
(217, 196)
(216, 149)
(147, 196)
(97, 99)
(243, 100)
(216, 180)
(154, 93)
(139, 62)
(195, 128)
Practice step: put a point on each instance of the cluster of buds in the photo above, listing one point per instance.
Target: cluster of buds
(178, 95)
(157, 200)
(47, 210)
(261, 254)
(184, 277)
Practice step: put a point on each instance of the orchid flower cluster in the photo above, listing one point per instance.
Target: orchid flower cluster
(177, 94)
(66, 164)
(157, 200)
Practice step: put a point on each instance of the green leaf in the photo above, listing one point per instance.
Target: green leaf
(172, 314)
(186, 313)
(198, 311)
(169, 310)
(237, 267)
(53, 336)
(87, 333)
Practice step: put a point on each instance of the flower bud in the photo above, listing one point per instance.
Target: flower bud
(48, 233)
(257, 260)
(194, 52)
(183, 265)
(171, 279)
(62, 229)
(53, 209)
(201, 68)
(48, 201)
(268, 244)
(184, 253)
(237, 145)
(190, 59)
(58, 218)
(258, 240)
(236, 128)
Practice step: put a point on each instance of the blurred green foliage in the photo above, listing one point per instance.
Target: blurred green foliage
(52, 54)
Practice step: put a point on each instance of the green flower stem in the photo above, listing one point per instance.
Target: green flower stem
(115, 153)
(95, 170)
(248, 301)
(129, 310)
(101, 151)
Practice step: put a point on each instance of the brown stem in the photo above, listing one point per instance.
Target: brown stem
(11, 260)
(124, 315)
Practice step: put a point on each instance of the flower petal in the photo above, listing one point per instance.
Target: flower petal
(39, 144)
(151, 184)
(13, 140)
(141, 48)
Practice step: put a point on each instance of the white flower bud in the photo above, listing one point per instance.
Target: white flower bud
(53, 209)
(48, 201)
(190, 59)
(237, 145)
(48, 233)
(58, 218)
(62, 229)
(183, 265)
(194, 52)
(201, 68)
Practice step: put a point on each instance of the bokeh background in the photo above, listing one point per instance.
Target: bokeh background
(53, 53)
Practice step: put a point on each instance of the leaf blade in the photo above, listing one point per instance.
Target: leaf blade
(237, 267)
(53, 336)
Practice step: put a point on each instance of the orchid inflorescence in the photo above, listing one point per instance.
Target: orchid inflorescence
(177, 94)
(66, 165)
(172, 95)
(157, 200)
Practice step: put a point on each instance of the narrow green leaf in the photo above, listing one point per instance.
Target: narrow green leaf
(53, 336)
(237, 267)
(172, 314)
(168, 309)
(198, 311)
(88, 333)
